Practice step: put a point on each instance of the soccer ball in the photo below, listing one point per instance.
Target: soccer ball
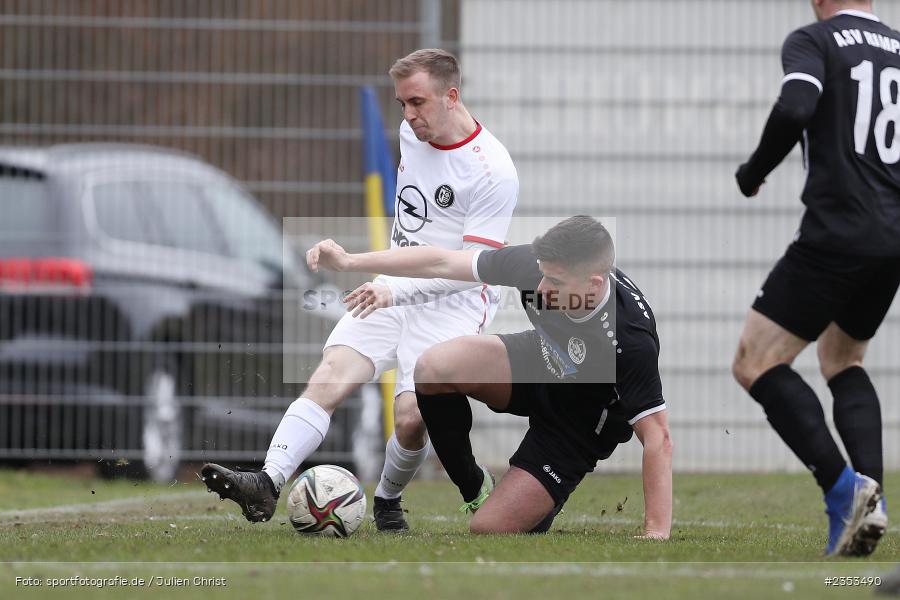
(326, 500)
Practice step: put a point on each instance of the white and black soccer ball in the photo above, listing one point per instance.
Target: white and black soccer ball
(328, 501)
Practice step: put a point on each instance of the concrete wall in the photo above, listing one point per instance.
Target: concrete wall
(642, 110)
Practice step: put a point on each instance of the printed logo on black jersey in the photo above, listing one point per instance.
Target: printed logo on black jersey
(412, 209)
(549, 471)
(577, 350)
(560, 366)
(444, 196)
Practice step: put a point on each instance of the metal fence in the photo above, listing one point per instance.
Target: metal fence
(265, 90)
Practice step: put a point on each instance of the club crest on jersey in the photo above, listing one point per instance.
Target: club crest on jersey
(577, 350)
(444, 196)
(412, 209)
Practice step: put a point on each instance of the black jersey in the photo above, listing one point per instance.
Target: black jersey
(610, 356)
(852, 144)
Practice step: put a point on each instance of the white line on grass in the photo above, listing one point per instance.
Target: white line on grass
(716, 524)
(102, 506)
(73, 510)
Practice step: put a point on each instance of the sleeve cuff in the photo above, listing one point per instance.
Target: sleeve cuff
(481, 240)
(803, 77)
(475, 265)
(398, 295)
(647, 413)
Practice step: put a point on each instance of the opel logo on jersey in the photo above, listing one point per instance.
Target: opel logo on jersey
(577, 350)
(444, 196)
(412, 209)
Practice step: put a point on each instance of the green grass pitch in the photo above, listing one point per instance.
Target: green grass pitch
(740, 536)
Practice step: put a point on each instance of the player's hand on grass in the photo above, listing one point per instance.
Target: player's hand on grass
(327, 254)
(368, 298)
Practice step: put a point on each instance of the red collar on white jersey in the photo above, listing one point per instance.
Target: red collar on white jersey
(462, 143)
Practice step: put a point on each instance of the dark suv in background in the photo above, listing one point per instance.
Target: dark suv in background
(141, 312)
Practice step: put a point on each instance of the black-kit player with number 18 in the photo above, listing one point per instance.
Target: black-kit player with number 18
(838, 278)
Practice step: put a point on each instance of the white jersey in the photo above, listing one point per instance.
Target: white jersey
(447, 196)
(450, 194)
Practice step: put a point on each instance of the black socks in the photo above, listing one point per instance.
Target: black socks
(857, 416)
(796, 415)
(448, 418)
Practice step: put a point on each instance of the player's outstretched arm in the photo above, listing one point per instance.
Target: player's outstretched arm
(656, 469)
(413, 261)
(789, 116)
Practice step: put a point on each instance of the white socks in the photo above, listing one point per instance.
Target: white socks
(400, 466)
(301, 431)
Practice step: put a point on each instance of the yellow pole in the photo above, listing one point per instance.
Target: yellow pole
(378, 240)
(378, 237)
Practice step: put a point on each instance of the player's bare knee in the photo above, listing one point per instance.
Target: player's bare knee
(478, 528)
(409, 427)
(492, 527)
(324, 391)
(411, 440)
(832, 366)
(427, 389)
(430, 375)
(426, 368)
(748, 366)
(326, 396)
(741, 368)
(329, 385)
(429, 382)
(484, 526)
(410, 423)
(836, 356)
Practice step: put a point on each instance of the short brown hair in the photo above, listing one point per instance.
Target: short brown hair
(441, 66)
(578, 240)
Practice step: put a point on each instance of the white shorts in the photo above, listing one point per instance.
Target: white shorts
(395, 337)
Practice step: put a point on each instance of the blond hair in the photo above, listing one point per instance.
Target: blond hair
(441, 66)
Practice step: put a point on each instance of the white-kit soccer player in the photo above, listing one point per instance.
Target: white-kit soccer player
(456, 189)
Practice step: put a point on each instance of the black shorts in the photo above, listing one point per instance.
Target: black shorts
(809, 288)
(562, 444)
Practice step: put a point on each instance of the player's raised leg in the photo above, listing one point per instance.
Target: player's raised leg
(302, 429)
(305, 424)
(476, 366)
